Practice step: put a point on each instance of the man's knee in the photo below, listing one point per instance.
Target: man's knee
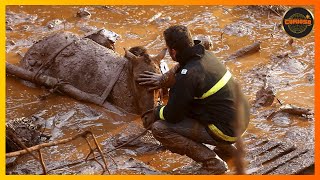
(159, 129)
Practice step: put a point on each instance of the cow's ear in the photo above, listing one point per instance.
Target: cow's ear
(131, 57)
(159, 57)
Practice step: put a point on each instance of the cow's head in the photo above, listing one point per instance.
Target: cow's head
(141, 61)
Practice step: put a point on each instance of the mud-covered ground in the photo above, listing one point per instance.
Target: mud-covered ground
(285, 66)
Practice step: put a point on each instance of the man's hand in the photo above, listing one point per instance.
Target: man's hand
(150, 79)
(148, 119)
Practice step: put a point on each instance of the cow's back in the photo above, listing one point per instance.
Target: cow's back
(81, 62)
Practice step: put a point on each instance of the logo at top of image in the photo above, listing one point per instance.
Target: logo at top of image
(298, 22)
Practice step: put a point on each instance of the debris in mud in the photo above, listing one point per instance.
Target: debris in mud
(253, 48)
(189, 169)
(9, 28)
(115, 10)
(291, 109)
(83, 135)
(264, 97)
(25, 27)
(153, 18)
(54, 23)
(289, 42)
(135, 166)
(21, 54)
(25, 130)
(310, 77)
(163, 19)
(11, 42)
(285, 63)
(83, 13)
(13, 19)
(239, 29)
(278, 10)
(144, 144)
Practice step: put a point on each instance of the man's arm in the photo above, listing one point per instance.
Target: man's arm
(180, 98)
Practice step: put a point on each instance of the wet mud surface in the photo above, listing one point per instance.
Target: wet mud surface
(281, 73)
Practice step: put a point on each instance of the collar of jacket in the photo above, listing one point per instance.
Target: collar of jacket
(196, 51)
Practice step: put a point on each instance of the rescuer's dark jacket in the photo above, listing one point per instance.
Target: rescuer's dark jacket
(199, 71)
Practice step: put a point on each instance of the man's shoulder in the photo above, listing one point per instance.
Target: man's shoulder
(194, 66)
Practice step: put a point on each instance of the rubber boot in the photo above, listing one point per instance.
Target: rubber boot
(176, 143)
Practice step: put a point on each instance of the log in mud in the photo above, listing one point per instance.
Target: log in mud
(247, 50)
(53, 83)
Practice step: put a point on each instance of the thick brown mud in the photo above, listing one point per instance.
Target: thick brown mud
(284, 66)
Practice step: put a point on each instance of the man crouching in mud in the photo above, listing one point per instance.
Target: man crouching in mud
(201, 106)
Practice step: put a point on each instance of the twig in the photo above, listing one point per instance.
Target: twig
(100, 151)
(131, 140)
(43, 145)
(94, 157)
(42, 162)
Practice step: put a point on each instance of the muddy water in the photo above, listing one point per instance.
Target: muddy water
(230, 28)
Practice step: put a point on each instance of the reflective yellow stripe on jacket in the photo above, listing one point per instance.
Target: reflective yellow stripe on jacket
(220, 134)
(220, 84)
(161, 113)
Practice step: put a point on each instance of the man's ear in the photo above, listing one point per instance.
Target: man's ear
(173, 54)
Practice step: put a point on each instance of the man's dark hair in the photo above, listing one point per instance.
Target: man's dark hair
(178, 37)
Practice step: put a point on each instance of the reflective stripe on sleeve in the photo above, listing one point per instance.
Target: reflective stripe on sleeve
(220, 84)
(161, 113)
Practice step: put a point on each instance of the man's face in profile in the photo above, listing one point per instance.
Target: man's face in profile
(172, 53)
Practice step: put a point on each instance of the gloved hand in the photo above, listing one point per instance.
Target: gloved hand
(148, 119)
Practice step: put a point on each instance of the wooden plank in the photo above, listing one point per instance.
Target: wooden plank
(280, 150)
(261, 149)
(279, 161)
(296, 165)
(254, 144)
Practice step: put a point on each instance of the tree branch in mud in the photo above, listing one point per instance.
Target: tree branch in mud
(64, 141)
(255, 47)
(52, 83)
(303, 112)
